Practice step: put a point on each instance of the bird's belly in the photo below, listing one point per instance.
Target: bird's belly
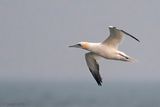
(108, 54)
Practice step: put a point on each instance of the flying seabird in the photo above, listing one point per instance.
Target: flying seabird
(107, 49)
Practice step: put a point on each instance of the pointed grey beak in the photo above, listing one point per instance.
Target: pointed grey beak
(76, 46)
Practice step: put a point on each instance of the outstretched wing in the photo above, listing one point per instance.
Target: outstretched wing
(116, 36)
(93, 67)
(130, 35)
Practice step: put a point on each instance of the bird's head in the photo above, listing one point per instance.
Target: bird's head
(83, 45)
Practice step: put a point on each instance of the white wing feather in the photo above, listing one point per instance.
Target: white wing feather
(114, 39)
(116, 36)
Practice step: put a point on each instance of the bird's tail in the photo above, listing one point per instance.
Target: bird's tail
(132, 60)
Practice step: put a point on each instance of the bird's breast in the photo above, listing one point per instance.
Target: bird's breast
(106, 52)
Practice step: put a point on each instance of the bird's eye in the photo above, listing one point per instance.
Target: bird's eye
(79, 44)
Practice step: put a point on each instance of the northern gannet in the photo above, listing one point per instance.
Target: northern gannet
(107, 49)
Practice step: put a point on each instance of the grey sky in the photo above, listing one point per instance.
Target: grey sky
(35, 34)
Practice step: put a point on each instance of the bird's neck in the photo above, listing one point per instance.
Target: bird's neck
(90, 46)
(85, 45)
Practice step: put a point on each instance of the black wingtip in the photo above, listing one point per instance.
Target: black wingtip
(130, 35)
(99, 84)
(97, 78)
(99, 81)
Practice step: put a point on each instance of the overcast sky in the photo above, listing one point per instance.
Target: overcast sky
(35, 35)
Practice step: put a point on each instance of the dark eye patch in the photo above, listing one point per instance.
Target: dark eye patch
(79, 44)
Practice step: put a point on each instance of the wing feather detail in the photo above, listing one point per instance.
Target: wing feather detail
(115, 37)
(93, 67)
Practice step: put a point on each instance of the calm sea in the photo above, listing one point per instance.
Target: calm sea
(70, 94)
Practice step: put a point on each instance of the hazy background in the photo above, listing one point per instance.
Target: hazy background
(35, 34)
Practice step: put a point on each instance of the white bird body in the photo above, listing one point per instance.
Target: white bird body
(106, 52)
(107, 49)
